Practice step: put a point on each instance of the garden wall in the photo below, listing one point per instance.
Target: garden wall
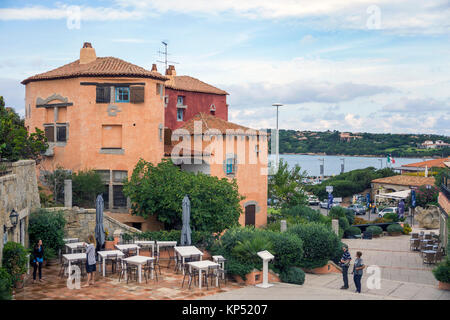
(18, 191)
(80, 223)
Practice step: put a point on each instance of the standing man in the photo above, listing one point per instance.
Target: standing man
(345, 263)
(358, 271)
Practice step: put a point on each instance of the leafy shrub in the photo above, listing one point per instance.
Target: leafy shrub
(343, 223)
(406, 228)
(5, 284)
(391, 216)
(394, 228)
(47, 226)
(359, 221)
(375, 230)
(442, 271)
(305, 212)
(352, 231)
(319, 243)
(248, 249)
(336, 212)
(287, 248)
(50, 254)
(338, 253)
(86, 185)
(293, 275)
(14, 260)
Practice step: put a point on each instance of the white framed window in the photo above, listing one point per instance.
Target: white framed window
(179, 114)
(180, 101)
(166, 101)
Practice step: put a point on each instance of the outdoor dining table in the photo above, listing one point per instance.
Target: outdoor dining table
(74, 245)
(203, 266)
(160, 244)
(139, 261)
(146, 243)
(123, 247)
(104, 254)
(187, 251)
(72, 257)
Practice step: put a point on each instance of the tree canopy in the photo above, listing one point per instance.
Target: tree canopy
(159, 190)
(15, 142)
(285, 186)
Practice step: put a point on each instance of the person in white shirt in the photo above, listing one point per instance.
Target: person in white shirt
(91, 262)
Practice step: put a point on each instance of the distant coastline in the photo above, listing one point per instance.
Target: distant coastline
(352, 155)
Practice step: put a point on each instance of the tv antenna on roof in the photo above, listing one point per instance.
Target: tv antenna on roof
(165, 53)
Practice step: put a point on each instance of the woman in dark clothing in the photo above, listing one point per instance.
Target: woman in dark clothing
(38, 259)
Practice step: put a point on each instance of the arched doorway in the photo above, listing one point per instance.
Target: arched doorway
(250, 212)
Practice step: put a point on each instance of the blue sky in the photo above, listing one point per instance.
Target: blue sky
(355, 65)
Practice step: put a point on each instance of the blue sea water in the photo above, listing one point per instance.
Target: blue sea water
(332, 164)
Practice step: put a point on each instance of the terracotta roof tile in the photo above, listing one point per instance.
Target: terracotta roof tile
(186, 83)
(211, 122)
(106, 66)
(431, 163)
(405, 180)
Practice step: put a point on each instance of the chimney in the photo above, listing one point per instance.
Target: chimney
(171, 71)
(154, 69)
(87, 53)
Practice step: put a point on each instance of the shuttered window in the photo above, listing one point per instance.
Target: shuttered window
(137, 94)
(61, 132)
(50, 133)
(103, 94)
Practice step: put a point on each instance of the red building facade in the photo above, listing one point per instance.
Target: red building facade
(186, 97)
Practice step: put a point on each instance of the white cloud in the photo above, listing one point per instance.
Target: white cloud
(409, 17)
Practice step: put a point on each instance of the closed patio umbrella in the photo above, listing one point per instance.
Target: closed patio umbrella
(99, 230)
(186, 229)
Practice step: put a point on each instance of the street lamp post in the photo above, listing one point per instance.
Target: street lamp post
(277, 148)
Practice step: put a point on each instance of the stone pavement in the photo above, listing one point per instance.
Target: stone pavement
(109, 288)
(403, 276)
(395, 259)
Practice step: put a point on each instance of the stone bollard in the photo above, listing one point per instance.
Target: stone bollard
(335, 226)
(283, 226)
(68, 193)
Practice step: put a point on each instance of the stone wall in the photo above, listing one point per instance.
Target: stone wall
(80, 223)
(18, 191)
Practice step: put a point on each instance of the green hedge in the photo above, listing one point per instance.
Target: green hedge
(201, 239)
(293, 275)
(240, 245)
(5, 284)
(14, 260)
(319, 244)
(442, 271)
(352, 231)
(375, 230)
(394, 228)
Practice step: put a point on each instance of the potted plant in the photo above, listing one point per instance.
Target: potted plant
(395, 229)
(50, 257)
(442, 274)
(109, 243)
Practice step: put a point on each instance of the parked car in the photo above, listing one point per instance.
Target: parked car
(358, 209)
(387, 210)
(313, 200)
(324, 204)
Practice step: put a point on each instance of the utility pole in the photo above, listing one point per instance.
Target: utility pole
(277, 149)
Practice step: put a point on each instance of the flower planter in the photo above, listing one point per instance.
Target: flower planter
(328, 268)
(256, 277)
(109, 245)
(444, 285)
(395, 234)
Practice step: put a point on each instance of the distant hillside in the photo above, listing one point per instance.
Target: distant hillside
(345, 143)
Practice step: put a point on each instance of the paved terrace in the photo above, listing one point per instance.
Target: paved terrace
(109, 288)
